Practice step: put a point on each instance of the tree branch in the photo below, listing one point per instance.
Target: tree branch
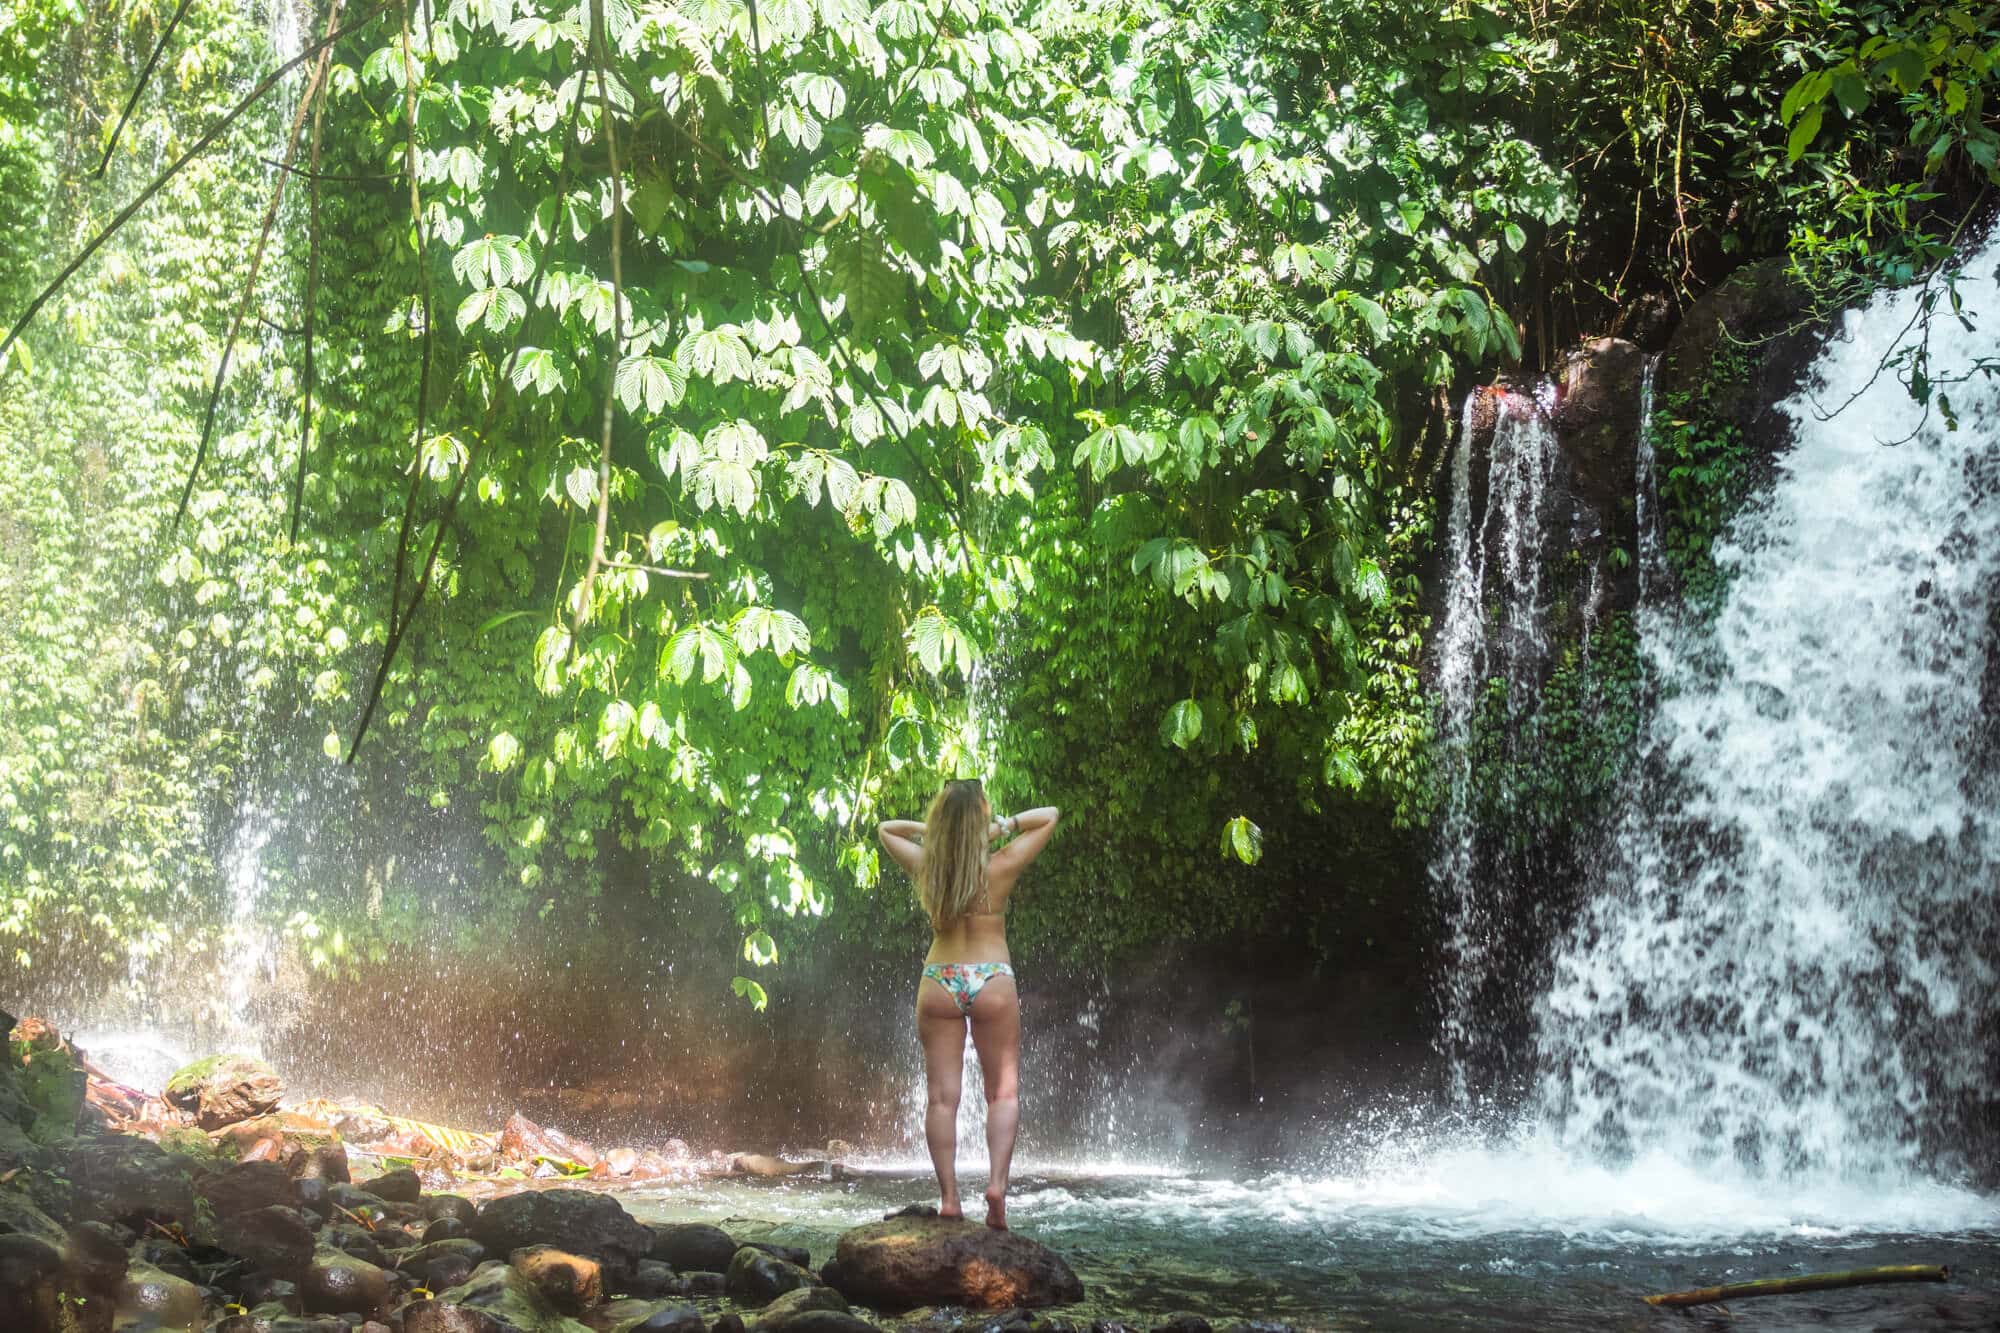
(145, 75)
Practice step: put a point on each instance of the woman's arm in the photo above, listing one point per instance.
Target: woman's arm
(902, 839)
(1032, 830)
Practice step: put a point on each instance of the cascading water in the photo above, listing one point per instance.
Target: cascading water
(1789, 959)
(1494, 626)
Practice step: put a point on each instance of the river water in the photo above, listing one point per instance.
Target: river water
(1519, 1237)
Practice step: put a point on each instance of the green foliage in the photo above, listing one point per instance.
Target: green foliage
(53, 1085)
(1702, 473)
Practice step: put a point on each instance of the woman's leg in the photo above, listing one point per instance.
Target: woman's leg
(941, 1032)
(996, 1035)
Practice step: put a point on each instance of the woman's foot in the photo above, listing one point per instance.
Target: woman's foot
(950, 1208)
(996, 1210)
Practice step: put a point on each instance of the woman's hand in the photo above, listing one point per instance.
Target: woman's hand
(903, 840)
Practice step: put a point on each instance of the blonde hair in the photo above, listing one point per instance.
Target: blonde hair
(953, 872)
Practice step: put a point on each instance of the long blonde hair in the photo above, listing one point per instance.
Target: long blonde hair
(953, 872)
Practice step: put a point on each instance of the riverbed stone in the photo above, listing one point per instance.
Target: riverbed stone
(515, 1304)
(785, 1313)
(276, 1239)
(154, 1299)
(438, 1207)
(120, 1178)
(574, 1220)
(791, 1254)
(30, 1279)
(706, 1284)
(652, 1279)
(757, 1278)
(400, 1186)
(339, 1283)
(904, 1262)
(247, 1186)
(224, 1089)
(570, 1282)
(693, 1246)
(436, 1316)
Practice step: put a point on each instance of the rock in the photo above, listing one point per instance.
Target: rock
(339, 1283)
(573, 1220)
(323, 1161)
(119, 1178)
(838, 1148)
(355, 1241)
(414, 1260)
(791, 1254)
(448, 1271)
(440, 1206)
(515, 1304)
(96, 1257)
(815, 1321)
(1183, 1323)
(224, 1089)
(310, 1195)
(782, 1312)
(757, 1278)
(706, 1284)
(673, 1319)
(30, 1281)
(1597, 418)
(621, 1161)
(264, 1289)
(759, 1164)
(912, 1210)
(904, 1262)
(247, 1186)
(727, 1323)
(446, 1228)
(445, 1317)
(652, 1279)
(522, 1140)
(153, 1299)
(20, 1217)
(693, 1246)
(275, 1239)
(396, 1186)
(570, 1282)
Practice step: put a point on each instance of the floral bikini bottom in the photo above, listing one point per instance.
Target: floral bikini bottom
(965, 980)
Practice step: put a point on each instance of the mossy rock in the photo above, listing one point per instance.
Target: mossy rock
(224, 1089)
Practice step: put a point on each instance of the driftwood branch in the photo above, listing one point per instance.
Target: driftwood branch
(145, 75)
(200, 146)
(1779, 1286)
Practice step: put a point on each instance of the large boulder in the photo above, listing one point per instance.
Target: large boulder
(693, 1247)
(757, 1278)
(30, 1281)
(276, 1239)
(247, 1186)
(224, 1089)
(507, 1298)
(119, 1178)
(573, 1220)
(904, 1262)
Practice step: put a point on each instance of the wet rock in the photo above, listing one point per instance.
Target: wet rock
(224, 1089)
(415, 1259)
(355, 1241)
(791, 1254)
(706, 1284)
(522, 1140)
(757, 1278)
(167, 1257)
(357, 1200)
(396, 1186)
(673, 1319)
(448, 1271)
(446, 1228)
(1183, 1323)
(573, 1220)
(693, 1246)
(338, 1283)
(20, 1217)
(781, 1313)
(652, 1279)
(310, 1195)
(323, 1161)
(247, 1186)
(153, 1299)
(446, 1317)
(727, 1323)
(759, 1164)
(440, 1206)
(272, 1319)
(276, 1239)
(570, 1282)
(515, 1304)
(1597, 419)
(912, 1210)
(899, 1263)
(30, 1279)
(265, 1289)
(815, 1321)
(119, 1178)
(96, 1256)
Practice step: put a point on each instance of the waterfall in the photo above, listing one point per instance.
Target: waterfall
(1494, 628)
(1651, 564)
(1787, 962)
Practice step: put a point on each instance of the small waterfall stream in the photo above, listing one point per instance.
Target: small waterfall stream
(1787, 964)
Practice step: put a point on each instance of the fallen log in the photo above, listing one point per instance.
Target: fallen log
(1779, 1286)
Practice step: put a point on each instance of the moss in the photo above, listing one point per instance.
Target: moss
(189, 1077)
(191, 1143)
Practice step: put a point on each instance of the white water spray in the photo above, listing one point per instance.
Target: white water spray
(1786, 965)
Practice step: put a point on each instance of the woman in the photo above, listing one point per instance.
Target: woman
(968, 979)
